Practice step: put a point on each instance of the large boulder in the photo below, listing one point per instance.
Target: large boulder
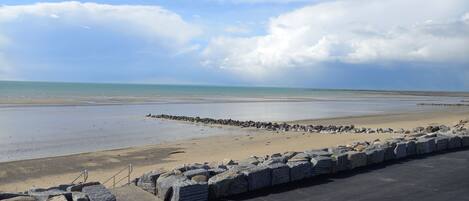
(191, 173)
(17, 198)
(79, 196)
(299, 170)
(147, 181)
(340, 162)
(465, 140)
(441, 143)
(280, 173)
(8, 195)
(188, 190)
(79, 187)
(44, 194)
(230, 182)
(165, 183)
(98, 193)
(321, 164)
(374, 155)
(400, 151)
(425, 146)
(411, 148)
(58, 198)
(454, 142)
(389, 151)
(356, 159)
(258, 177)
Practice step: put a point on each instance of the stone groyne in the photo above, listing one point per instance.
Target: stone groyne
(213, 181)
(273, 126)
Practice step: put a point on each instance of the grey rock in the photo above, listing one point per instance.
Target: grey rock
(340, 162)
(44, 194)
(8, 195)
(79, 196)
(400, 151)
(98, 193)
(454, 142)
(58, 198)
(321, 165)
(228, 183)
(258, 177)
(441, 143)
(465, 140)
(425, 146)
(411, 148)
(79, 187)
(191, 173)
(19, 198)
(374, 155)
(280, 173)
(188, 190)
(165, 185)
(214, 171)
(300, 170)
(389, 151)
(147, 181)
(356, 159)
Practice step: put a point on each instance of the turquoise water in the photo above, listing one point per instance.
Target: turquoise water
(39, 119)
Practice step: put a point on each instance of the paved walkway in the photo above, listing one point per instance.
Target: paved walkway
(434, 178)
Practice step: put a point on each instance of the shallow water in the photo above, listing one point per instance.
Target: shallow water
(36, 130)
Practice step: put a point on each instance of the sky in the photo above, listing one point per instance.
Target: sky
(353, 44)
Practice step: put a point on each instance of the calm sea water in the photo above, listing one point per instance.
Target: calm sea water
(48, 119)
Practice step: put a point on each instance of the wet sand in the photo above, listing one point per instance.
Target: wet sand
(21, 175)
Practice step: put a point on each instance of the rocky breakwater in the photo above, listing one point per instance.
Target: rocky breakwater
(91, 191)
(273, 126)
(215, 180)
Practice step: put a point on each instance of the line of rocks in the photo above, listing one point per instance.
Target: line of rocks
(272, 126)
(211, 181)
(91, 191)
(444, 104)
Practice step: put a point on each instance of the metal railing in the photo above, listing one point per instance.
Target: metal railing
(116, 179)
(83, 174)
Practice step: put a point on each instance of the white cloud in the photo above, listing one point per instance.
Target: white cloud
(237, 30)
(153, 22)
(362, 31)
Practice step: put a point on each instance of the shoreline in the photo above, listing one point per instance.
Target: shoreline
(23, 174)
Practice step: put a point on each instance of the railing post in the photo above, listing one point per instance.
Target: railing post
(130, 171)
(114, 181)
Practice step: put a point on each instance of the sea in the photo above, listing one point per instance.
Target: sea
(44, 119)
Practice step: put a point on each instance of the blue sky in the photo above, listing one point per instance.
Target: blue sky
(366, 44)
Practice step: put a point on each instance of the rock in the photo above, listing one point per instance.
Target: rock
(8, 195)
(441, 143)
(356, 159)
(465, 141)
(147, 181)
(258, 177)
(299, 157)
(299, 170)
(374, 155)
(165, 185)
(315, 153)
(79, 196)
(321, 165)
(20, 198)
(389, 151)
(227, 161)
(411, 148)
(58, 198)
(188, 190)
(191, 173)
(425, 146)
(215, 171)
(98, 193)
(231, 182)
(200, 178)
(280, 173)
(44, 194)
(79, 187)
(340, 162)
(401, 150)
(454, 142)
(251, 160)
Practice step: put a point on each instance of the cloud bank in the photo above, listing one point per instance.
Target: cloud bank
(350, 32)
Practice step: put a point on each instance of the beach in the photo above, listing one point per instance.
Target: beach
(43, 172)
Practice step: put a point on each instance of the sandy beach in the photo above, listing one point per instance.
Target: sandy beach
(21, 175)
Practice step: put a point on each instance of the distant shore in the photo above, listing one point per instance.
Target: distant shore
(20, 175)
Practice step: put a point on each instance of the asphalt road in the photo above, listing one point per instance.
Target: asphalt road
(433, 178)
